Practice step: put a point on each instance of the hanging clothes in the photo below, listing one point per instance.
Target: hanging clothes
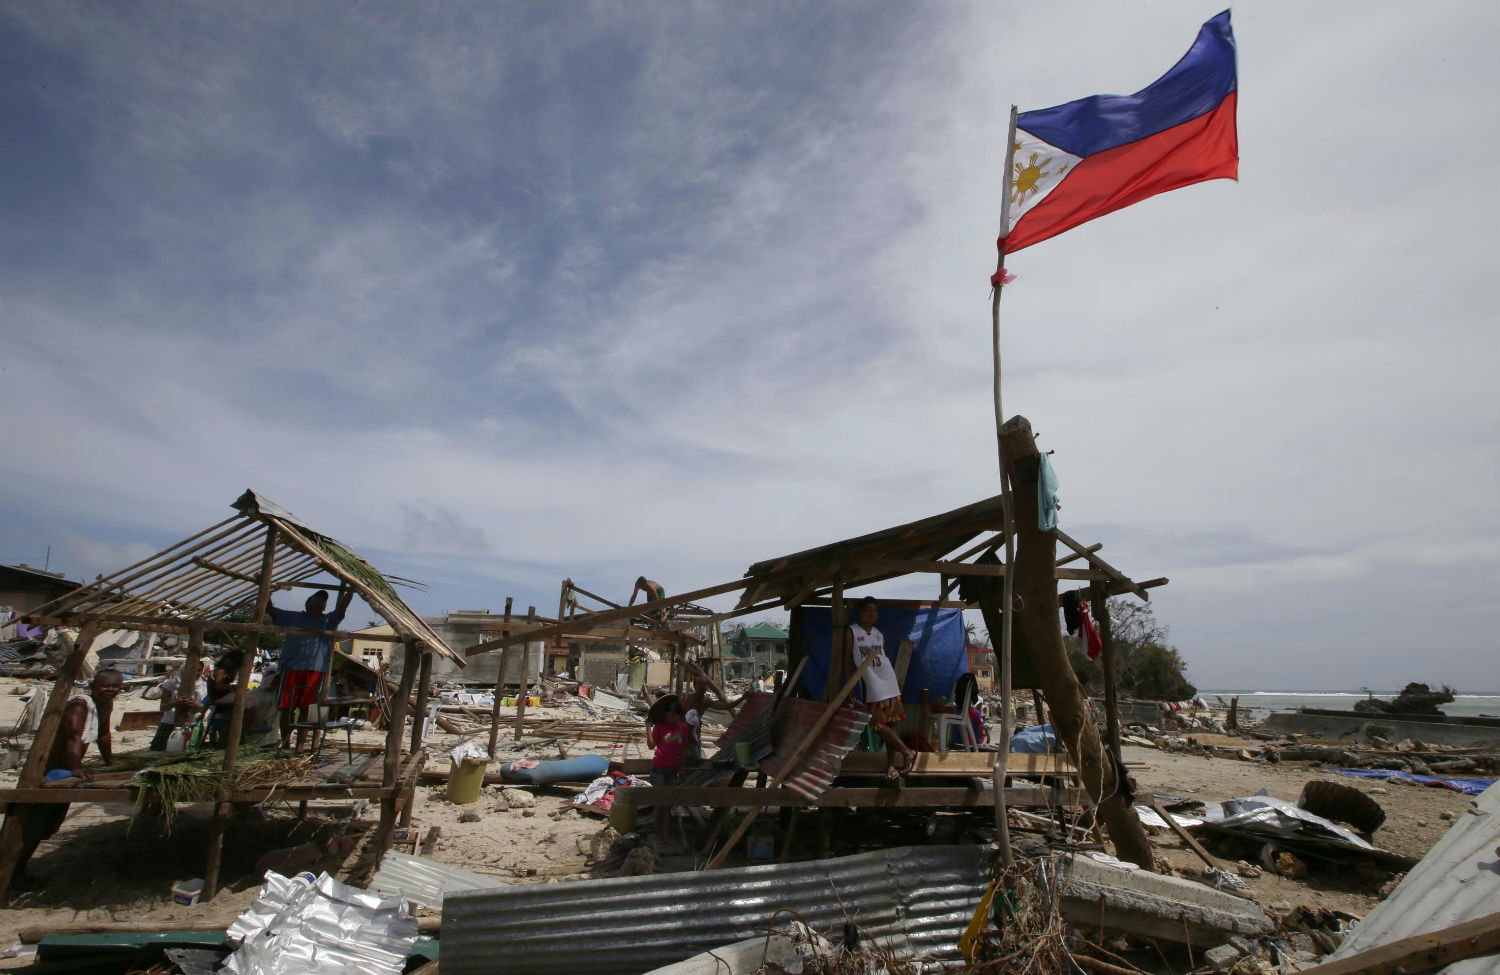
(1091, 641)
(1070, 611)
(1046, 495)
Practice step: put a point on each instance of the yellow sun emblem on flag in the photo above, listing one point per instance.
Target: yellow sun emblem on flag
(1028, 174)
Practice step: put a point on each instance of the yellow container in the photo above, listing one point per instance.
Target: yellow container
(622, 818)
(465, 780)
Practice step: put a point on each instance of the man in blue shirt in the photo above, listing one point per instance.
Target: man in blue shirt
(305, 659)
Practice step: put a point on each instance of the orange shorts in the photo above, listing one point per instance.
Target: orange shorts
(885, 712)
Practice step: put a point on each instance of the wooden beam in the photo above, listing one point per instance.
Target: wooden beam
(961, 568)
(424, 691)
(500, 685)
(200, 561)
(625, 612)
(1421, 952)
(1113, 573)
(726, 796)
(391, 760)
(1076, 556)
(178, 624)
(1099, 606)
(236, 726)
(601, 599)
(187, 677)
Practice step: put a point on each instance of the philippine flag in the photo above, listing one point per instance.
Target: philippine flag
(1081, 160)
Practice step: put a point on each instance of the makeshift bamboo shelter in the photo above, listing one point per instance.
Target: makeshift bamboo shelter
(955, 546)
(197, 584)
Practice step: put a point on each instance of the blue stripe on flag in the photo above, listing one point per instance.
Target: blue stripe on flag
(1195, 86)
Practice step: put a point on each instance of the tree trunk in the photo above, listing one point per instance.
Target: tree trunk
(1036, 592)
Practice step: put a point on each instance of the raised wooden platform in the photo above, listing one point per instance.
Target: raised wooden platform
(910, 797)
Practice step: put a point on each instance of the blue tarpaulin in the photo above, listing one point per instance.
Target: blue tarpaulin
(939, 648)
(1472, 787)
(1037, 740)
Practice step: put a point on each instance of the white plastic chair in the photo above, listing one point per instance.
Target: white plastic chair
(943, 722)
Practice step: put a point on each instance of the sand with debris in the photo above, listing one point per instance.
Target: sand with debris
(107, 864)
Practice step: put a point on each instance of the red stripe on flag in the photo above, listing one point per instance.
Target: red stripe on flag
(1203, 149)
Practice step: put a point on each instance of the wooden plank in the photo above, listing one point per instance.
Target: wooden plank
(1421, 952)
(964, 569)
(330, 790)
(841, 798)
(624, 613)
(967, 764)
(171, 624)
(1112, 574)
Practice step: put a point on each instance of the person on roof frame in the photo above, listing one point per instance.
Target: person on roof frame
(882, 691)
(652, 591)
(305, 659)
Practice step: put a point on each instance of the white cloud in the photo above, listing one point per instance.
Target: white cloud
(744, 309)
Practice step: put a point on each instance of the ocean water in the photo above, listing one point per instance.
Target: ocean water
(1462, 705)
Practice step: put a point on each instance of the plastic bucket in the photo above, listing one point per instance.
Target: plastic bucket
(187, 892)
(465, 780)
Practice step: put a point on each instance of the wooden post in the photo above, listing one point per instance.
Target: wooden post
(499, 685)
(424, 691)
(1035, 576)
(35, 768)
(391, 767)
(525, 673)
(187, 677)
(839, 619)
(223, 809)
(1099, 606)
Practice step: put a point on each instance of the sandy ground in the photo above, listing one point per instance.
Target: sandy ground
(106, 863)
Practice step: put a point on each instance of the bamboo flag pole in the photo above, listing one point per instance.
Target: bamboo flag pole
(1002, 754)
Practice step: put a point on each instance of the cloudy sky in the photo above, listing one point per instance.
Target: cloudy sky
(506, 293)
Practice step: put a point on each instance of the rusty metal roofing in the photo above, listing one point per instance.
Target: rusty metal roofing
(820, 765)
(774, 735)
(926, 539)
(206, 577)
(915, 899)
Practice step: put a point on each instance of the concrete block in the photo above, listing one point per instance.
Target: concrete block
(1155, 905)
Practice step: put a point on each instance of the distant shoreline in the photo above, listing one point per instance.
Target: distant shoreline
(1464, 704)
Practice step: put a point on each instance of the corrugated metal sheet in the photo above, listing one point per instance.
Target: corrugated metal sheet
(1455, 882)
(820, 765)
(770, 742)
(917, 898)
(425, 882)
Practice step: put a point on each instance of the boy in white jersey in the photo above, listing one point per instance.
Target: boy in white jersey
(882, 690)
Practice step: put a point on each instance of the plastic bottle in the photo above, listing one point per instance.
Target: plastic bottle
(177, 741)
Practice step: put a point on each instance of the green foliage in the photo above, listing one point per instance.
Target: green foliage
(244, 613)
(1160, 674)
(1090, 674)
(1148, 666)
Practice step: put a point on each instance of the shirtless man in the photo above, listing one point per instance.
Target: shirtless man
(697, 705)
(652, 591)
(85, 721)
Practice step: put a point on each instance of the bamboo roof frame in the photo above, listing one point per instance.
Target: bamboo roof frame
(206, 577)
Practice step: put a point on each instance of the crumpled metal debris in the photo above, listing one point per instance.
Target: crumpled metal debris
(320, 928)
(1268, 816)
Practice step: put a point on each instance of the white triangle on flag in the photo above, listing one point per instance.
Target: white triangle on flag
(1036, 170)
